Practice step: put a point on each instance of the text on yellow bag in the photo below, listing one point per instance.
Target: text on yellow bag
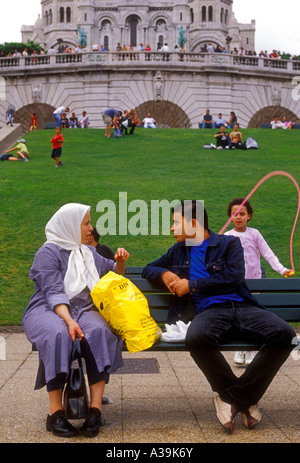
(126, 310)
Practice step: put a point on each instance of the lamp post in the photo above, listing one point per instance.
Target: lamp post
(228, 41)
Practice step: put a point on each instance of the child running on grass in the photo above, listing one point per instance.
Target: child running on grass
(254, 245)
(57, 142)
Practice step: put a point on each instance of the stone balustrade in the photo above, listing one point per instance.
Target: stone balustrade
(137, 58)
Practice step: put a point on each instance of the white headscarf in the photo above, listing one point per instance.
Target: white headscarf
(63, 229)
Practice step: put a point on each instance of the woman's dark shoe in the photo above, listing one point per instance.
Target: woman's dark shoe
(92, 424)
(59, 425)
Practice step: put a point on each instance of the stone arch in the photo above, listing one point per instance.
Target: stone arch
(160, 15)
(265, 115)
(197, 45)
(70, 42)
(42, 111)
(167, 114)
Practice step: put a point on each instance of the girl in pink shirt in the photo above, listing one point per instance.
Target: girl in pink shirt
(254, 246)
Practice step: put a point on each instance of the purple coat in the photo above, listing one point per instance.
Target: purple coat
(48, 331)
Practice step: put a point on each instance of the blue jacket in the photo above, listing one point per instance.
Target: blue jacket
(224, 261)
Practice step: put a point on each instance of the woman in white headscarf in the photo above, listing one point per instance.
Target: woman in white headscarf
(65, 270)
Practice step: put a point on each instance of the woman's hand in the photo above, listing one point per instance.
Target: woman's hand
(74, 329)
(120, 257)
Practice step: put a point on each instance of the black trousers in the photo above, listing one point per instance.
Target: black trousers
(224, 322)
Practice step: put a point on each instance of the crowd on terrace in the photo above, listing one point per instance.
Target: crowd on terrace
(206, 48)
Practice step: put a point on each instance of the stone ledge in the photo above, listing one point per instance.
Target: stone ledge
(9, 136)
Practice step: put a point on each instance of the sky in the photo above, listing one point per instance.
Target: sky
(276, 24)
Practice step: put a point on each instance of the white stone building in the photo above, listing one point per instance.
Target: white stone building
(152, 22)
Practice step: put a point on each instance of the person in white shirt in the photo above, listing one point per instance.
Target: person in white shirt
(58, 113)
(277, 124)
(149, 122)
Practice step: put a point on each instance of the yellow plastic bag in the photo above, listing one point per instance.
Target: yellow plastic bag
(126, 310)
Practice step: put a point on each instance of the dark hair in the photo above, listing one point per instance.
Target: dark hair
(238, 202)
(95, 234)
(193, 207)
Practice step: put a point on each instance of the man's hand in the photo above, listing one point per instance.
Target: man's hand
(168, 278)
(180, 288)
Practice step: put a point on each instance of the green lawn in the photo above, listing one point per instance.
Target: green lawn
(151, 165)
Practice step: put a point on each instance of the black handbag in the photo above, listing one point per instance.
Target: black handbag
(75, 395)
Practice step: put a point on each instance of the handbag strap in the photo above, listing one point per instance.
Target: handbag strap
(76, 352)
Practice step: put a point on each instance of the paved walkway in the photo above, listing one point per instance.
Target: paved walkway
(174, 405)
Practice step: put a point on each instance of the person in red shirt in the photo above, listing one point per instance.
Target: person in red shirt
(57, 142)
(33, 123)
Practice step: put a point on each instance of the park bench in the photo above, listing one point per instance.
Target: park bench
(50, 125)
(279, 295)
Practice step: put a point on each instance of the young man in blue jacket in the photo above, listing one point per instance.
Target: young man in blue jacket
(206, 271)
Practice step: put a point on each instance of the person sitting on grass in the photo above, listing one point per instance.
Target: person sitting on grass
(236, 138)
(22, 152)
(223, 139)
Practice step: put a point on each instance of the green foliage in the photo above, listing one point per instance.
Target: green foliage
(10, 47)
(151, 165)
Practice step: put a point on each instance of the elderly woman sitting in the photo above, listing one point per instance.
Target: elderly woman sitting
(64, 271)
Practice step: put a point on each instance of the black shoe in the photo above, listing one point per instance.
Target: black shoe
(92, 424)
(59, 425)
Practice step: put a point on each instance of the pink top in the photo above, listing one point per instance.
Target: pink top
(254, 245)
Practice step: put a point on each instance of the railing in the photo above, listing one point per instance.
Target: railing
(143, 58)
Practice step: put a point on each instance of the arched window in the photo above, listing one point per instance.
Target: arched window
(106, 42)
(133, 23)
(61, 15)
(226, 17)
(68, 11)
(222, 15)
(192, 15)
(160, 42)
(203, 13)
(46, 18)
(210, 13)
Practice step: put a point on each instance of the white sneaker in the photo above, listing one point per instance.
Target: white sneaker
(249, 356)
(239, 358)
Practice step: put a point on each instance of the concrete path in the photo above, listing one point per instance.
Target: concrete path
(174, 405)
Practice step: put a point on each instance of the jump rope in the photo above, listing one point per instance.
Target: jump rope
(266, 177)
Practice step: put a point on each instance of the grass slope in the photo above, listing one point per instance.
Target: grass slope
(151, 165)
